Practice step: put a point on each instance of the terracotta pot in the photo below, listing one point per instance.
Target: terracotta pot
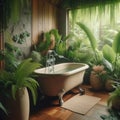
(95, 82)
(108, 85)
(19, 108)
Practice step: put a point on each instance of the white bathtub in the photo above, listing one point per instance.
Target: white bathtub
(65, 77)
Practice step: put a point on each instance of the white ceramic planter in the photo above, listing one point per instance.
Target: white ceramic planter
(19, 108)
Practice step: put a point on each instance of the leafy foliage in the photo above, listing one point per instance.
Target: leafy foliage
(21, 77)
(112, 55)
(56, 34)
(12, 10)
(115, 94)
(91, 37)
(36, 56)
(97, 55)
(2, 108)
(113, 115)
(116, 43)
(61, 47)
(44, 44)
(10, 55)
(92, 11)
(109, 54)
(78, 52)
(47, 41)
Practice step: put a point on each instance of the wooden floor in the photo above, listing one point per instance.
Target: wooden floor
(55, 112)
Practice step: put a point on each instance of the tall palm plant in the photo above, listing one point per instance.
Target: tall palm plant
(97, 55)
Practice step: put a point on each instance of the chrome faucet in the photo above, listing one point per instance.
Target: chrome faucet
(50, 61)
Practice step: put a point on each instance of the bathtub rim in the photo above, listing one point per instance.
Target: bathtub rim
(82, 68)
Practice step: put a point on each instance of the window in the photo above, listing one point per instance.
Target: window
(104, 22)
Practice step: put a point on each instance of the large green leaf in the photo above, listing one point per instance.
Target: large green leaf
(32, 85)
(90, 35)
(108, 53)
(116, 43)
(14, 90)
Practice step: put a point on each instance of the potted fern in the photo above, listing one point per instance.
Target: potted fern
(13, 87)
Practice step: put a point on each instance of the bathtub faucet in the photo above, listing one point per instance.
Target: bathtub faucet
(50, 61)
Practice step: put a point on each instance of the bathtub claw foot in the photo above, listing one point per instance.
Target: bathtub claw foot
(60, 95)
(61, 101)
(82, 91)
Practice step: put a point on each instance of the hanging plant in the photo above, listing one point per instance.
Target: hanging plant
(83, 4)
(97, 7)
(12, 10)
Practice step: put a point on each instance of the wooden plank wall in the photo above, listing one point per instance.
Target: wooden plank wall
(44, 18)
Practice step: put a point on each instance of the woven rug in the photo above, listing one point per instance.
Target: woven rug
(80, 104)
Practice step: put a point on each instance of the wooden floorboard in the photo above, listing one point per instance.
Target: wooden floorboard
(55, 112)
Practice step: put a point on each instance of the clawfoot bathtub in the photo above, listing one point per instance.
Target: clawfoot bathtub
(65, 77)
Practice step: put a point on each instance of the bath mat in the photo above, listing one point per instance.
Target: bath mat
(80, 104)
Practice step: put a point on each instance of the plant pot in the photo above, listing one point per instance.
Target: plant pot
(108, 85)
(116, 103)
(96, 82)
(19, 108)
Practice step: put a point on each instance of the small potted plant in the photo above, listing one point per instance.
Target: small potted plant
(98, 77)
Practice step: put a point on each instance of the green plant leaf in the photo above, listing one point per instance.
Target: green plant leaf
(108, 65)
(91, 37)
(25, 69)
(15, 11)
(33, 89)
(45, 43)
(116, 43)
(56, 34)
(3, 108)
(61, 48)
(14, 90)
(108, 53)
